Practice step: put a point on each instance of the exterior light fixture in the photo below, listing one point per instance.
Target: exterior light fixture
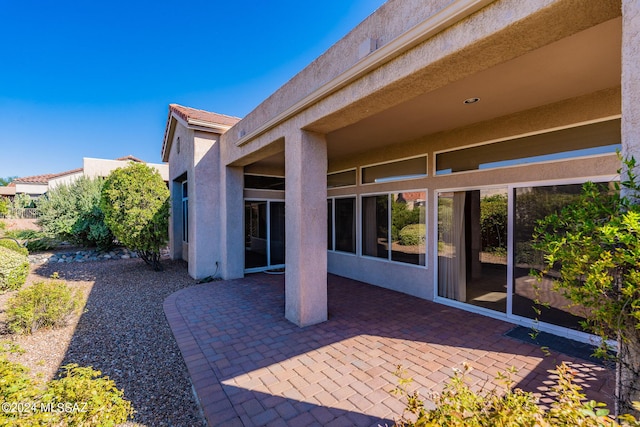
(471, 101)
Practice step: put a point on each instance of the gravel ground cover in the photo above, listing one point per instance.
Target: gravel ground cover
(123, 333)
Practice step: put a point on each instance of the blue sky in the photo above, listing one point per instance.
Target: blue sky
(94, 78)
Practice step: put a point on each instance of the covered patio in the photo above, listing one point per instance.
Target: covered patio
(251, 367)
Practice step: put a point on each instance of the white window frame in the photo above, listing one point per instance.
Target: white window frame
(333, 223)
(360, 226)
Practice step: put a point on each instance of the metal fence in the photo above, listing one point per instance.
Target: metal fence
(21, 213)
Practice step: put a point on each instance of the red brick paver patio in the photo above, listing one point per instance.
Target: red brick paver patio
(251, 367)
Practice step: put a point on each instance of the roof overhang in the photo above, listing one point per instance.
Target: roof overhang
(190, 123)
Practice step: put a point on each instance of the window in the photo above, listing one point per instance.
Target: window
(394, 227)
(185, 212)
(263, 182)
(530, 205)
(342, 224)
(580, 141)
(394, 171)
(341, 179)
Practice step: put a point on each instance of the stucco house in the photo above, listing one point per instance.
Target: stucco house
(382, 159)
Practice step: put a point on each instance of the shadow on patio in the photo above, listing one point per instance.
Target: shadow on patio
(250, 366)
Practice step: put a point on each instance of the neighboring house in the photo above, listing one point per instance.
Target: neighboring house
(8, 190)
(467, 119)
(36, 186)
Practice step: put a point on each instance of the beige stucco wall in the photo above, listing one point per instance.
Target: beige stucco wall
(65, 179)
(31, 188)
(102, 167)
(196, 159)
(180, 166)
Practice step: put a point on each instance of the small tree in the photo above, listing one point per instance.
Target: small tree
(594, 243)
(135, 202)
(72, 212)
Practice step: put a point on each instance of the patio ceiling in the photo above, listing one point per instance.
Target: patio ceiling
(586, 62)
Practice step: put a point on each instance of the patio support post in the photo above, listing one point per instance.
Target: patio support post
(306, 228)
(631, 80)
(232, 230)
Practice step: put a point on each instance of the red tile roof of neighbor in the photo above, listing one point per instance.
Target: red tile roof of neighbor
(186, 113)
(131, 158)
(44, 179)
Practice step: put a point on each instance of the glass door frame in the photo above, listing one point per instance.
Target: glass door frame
(269, 266)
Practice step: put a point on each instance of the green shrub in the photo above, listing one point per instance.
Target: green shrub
(78, 397)
(72, 212)
(36, 240)
(413, 235)
(42, 305)
(135, 202)
(14, 246)
(459, 406)
(99, 402)
(4, 206)
(14, 268)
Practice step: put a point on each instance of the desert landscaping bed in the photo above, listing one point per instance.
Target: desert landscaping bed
(122, 332)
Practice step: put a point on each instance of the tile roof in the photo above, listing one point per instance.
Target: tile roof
(186, 113)
(44, 179)
(189, 115)
(130, 158)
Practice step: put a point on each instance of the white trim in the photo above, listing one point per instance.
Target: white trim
(451, 14)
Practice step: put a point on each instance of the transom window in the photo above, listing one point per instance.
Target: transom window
(587, 140)
(412, 168)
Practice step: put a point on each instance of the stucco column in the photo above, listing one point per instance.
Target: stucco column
(631, 80)
(232, 230)
(306, 228)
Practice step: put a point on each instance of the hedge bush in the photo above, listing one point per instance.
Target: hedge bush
(413, 235)
(80, 396)
(42, 305)
(14, 268)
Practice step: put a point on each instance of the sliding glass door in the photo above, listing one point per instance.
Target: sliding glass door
(486, 255)
(264, 235)
(472, 247)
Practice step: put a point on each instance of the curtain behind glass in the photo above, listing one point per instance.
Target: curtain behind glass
(452, 281)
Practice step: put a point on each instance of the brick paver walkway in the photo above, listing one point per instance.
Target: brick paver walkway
(251, 367)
